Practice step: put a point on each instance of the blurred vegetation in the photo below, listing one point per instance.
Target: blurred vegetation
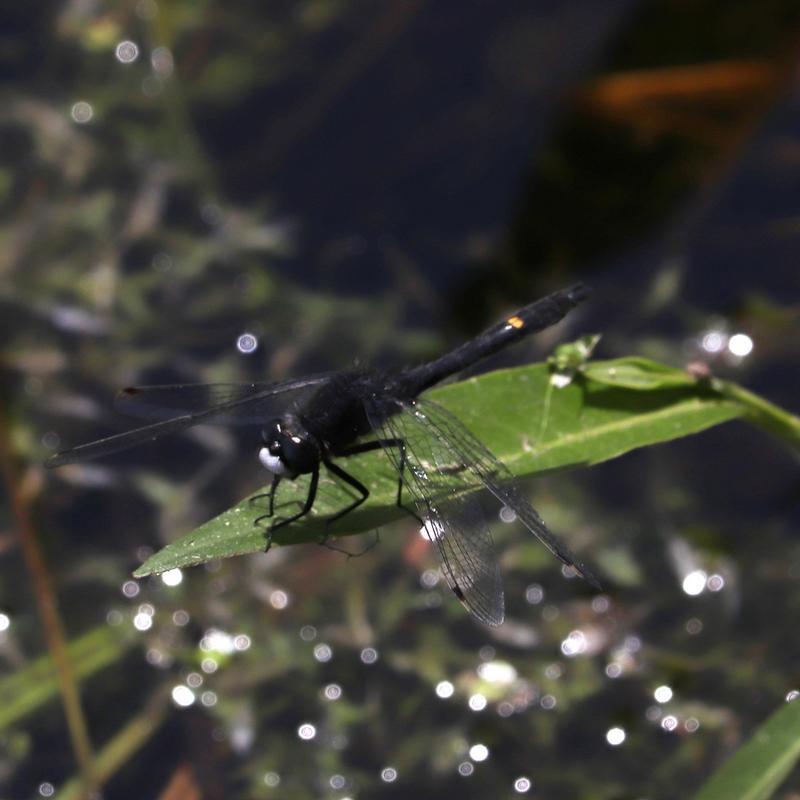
(142, 232)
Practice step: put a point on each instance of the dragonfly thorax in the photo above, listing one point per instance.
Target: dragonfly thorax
(288, 448)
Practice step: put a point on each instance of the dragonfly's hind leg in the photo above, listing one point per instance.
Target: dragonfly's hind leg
(364, 550)
(400, 444)
(350, 480)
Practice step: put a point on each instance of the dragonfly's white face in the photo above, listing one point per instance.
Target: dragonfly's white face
(273, 463)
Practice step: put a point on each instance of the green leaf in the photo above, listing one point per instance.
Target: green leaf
(637, 373)
(521, 417)
(24, 691)
(756, 770)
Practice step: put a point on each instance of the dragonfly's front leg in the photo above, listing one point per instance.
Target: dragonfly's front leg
(307, 506)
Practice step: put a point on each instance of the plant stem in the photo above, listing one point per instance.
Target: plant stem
(19, 493)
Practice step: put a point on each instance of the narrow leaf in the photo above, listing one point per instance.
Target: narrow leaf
(585, 422)
(26, 690)
(756, 770)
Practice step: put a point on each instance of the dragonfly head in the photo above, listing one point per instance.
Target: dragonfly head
(288, 449)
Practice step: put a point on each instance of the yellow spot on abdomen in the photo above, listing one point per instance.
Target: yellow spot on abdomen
(515, 322)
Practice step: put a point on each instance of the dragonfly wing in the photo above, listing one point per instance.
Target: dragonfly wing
(241, 404)
(444, 491)
(173, 400)
(497, 478)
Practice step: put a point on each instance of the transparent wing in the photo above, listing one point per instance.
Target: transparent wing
(242, 405)
(173, 400)
(497, 478)
(437, 476)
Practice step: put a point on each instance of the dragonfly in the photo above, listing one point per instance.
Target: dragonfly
(454, 481)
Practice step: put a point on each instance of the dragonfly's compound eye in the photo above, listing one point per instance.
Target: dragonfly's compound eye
(300, 452)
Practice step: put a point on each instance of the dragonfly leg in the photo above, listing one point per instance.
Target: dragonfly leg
(351, 481)
(270, 495)
(349, 553)
(400, 444)
(310, 497)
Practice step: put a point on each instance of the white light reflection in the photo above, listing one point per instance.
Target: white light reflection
(47, 789)
(180, 618)
(308, 633)
(247, 343)
(307, 731)
(633, 644)
(497, 672)
(114, 617)
(574, 644)
(694, 583)
(431, 530)
(522, 785)
(477, 702)
(182, 696)
(194, 680)
(653, 713)
(242, 642)
(216, 641)
(272, 779)
(323, 653)
(430, 578)
(713, 341)
(279, 599)
(553, 671)
(466, 769)
(172, 577)
(614, 669)
(669, 723)
(615, 736)
(715, 583)
(82, 112)
(130, 589)
(332, 691)
(507, 514)
(548, 702)
(5, 622)
(487, 653)
(444, 689)
(208, 698)
(369, 655)
(51, 440)
(127, 52)
(142, 621)
(337, 782)
(162, 62)
(534, 594)
(479, 752)
(740, 344)
(792, 695)
(694, 626)
(389, 774)
(663, 694)
(505, 709)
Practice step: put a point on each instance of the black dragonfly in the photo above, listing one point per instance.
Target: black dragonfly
(310, 421)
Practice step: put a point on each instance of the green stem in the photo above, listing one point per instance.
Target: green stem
(761, 412)
(20, 492)
(118, 751)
